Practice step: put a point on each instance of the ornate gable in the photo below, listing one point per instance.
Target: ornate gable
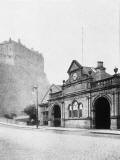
(74, 66)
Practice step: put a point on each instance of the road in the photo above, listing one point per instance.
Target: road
(33, 144)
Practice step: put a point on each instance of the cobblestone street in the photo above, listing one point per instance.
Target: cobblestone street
(32, 144)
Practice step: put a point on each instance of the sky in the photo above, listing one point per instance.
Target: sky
(54, 28)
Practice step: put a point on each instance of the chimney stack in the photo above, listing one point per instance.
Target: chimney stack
(100, 66)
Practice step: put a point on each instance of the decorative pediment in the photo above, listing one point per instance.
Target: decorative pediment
(74, 66)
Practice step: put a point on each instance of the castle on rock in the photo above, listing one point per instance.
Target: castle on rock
(20, 69)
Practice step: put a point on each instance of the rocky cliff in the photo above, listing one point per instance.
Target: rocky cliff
(20, 69)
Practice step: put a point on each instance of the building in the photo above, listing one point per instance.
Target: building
(20, 69)
(43, 107)
(89, 98)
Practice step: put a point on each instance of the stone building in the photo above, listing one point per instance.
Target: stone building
(20, 69)
(89, 98)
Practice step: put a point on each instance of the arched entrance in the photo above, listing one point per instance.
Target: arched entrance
(56, 112)
(102, 113)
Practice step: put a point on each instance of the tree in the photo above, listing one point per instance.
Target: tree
(31, 111)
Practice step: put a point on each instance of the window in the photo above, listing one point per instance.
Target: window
(75, 109)
(70, 110)
(80, 109)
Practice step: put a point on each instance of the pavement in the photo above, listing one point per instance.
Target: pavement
(95, 131)
(37, 144)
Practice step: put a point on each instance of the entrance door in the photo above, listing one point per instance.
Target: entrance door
(57, 116)
(102, 113)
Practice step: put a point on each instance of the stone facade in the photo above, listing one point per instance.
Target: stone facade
(20, 69)
(90, 98)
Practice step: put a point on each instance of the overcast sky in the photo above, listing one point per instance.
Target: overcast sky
(54, 28)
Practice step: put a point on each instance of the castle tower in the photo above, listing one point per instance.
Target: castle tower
(6, 52)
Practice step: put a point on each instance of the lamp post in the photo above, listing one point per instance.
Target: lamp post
(35, 88)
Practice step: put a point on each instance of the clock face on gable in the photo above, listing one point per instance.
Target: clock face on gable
(74, 76)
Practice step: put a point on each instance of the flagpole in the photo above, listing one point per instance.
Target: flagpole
(82, 45)
(119, 38)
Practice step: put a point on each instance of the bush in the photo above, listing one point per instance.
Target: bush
(10, 116)
(31, 111)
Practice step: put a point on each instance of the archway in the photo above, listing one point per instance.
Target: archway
(102, 113)
(56, 116)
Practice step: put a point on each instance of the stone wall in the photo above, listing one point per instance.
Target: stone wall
(77, 123)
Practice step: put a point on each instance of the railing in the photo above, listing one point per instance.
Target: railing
(55, 95)
(106, 82)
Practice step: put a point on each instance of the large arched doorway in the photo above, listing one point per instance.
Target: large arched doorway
(56, 116)
(102, 113)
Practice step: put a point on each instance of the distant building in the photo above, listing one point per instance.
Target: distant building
(20, 69)
(90, 98)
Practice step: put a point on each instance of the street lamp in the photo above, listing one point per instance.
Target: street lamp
(35, 89)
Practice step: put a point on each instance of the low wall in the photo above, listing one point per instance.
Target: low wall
(113, 123)
(11, 121)
(77, 123)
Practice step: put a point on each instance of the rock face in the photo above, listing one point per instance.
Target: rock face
(20, 69)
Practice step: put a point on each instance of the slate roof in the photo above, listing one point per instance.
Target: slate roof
(87, 69)
(55, 88)
(77, 63)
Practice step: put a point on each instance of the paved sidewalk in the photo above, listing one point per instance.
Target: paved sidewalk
(105, 131)
(95, 131)
(17, 125)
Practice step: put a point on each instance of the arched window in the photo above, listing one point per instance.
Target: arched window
(70, 110)
(75, 109)
(80, 109)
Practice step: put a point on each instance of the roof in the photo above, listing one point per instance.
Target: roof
(97, 75)
(76, 65)
(87, 69)
(54, 88)
(101, 75)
